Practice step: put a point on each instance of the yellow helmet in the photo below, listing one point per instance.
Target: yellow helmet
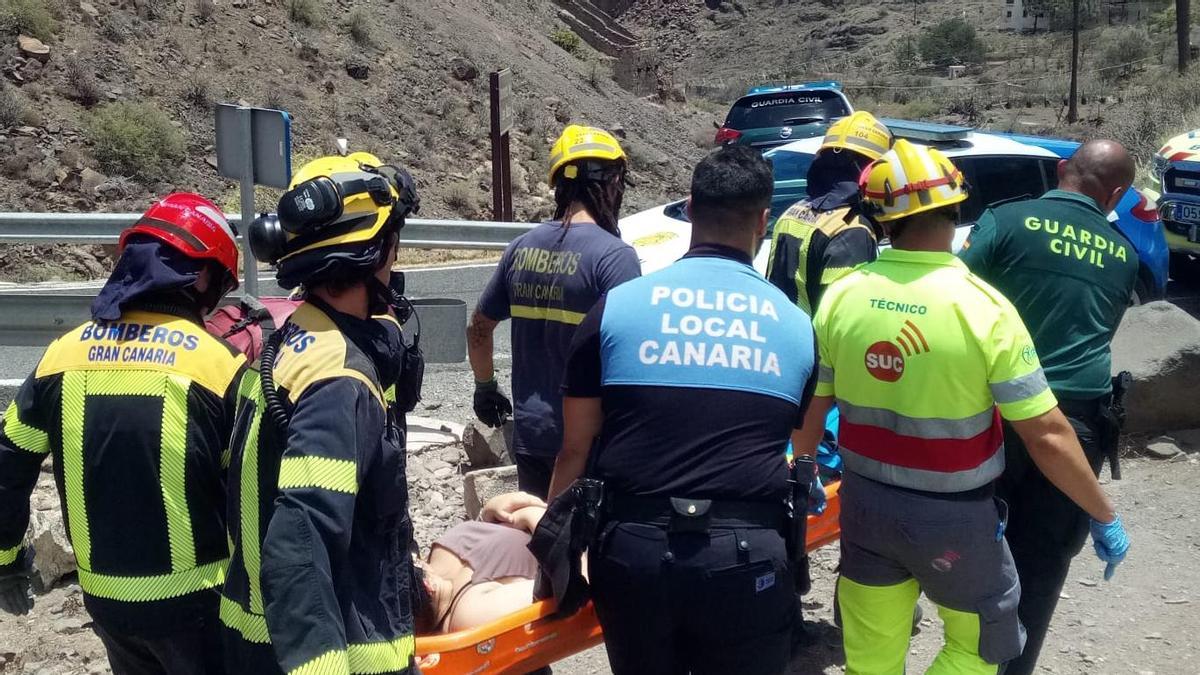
(861, 133)
(911, 179)
(332, 217)
(580, 142)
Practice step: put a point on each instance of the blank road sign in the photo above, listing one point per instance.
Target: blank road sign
(270, 140)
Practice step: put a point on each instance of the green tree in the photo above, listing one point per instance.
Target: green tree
(951, 42)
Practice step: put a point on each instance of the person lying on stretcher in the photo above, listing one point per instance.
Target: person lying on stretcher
(481, 570)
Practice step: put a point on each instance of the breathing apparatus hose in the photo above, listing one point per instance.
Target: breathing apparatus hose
(275, 409)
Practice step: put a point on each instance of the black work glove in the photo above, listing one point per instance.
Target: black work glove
(16, 597)
(492, 407)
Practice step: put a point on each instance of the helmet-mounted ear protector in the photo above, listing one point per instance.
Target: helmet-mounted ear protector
(318, 207)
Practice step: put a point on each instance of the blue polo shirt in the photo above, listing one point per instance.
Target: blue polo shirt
(703, 370)
(546, 282)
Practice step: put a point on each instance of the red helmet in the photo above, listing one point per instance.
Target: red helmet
(194, 226)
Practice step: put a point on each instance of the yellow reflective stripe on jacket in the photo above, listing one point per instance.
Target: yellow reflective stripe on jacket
(381, 657)
(27, 438)
(173, 473)
(546, 314)
(333, 662)
(74, 389)
(252, 627)
(248, 510)
(363, 659)
(173, 390)
(151, 588)
(339, 475)
(8, 556)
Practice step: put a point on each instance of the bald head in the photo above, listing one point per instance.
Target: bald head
(1100, 169)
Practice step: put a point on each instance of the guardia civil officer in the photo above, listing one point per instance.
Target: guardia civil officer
(1070, 274)
(137, 405)
(924, 359)
(692, 379)
(822, 238)
(546, 281)
(321, 579)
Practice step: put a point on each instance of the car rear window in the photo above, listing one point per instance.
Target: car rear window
(785, 108)
(790, 165)
(993, 180)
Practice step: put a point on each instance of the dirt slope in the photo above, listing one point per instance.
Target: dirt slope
(421, 96)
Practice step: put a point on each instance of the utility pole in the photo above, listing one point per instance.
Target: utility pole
(1073, 105)
(1183, 30)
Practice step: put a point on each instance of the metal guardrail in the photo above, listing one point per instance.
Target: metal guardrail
(36, 319)
(105, 228)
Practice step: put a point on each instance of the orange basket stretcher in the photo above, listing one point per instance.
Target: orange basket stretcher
(532, 638)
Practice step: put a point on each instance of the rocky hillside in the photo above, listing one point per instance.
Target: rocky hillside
(402, 78)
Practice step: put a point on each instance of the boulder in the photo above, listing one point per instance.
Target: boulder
(259, 20)
(358, 69)
(90, 13)
(53, 556)
(33, 48)
(480, 486)
(487, 447)
(90, 181)
(463, 70)
(1159, 344)
(1163, 447)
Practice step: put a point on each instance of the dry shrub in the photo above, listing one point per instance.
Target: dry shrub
(28, 17)
(198, 91)
(135, 139)
(306, 12)
(81, 81)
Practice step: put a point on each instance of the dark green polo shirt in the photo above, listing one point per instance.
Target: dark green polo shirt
(1069, 273)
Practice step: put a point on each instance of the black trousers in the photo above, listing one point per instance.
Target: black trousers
(1045, 528)
(534, 473)
(693, 602)
(193, 650)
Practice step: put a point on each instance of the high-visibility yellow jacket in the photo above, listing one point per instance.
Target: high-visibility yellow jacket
(319, 581)
(811, 249)
(924, 358)
(137, 413)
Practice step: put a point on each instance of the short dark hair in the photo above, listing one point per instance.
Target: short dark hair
(731, 185)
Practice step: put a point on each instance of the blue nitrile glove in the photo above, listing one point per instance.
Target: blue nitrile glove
(816, 498)
(1111, 543)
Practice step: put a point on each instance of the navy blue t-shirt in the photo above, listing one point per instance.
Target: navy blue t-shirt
(703, 370)
(546, 282)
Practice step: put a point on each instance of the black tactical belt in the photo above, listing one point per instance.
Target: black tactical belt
(682, 514)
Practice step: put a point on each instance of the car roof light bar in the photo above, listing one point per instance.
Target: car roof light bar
(775, 89)
(929, 132)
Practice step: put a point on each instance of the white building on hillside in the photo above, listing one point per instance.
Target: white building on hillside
(1019, 15)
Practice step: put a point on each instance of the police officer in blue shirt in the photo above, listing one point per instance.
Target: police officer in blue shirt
(546, 281)
(692, 379)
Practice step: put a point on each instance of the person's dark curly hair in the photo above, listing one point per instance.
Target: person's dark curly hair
(423, 607)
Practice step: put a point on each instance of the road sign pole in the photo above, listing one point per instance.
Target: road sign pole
(249, 264)
(500, 95)
(506, 185)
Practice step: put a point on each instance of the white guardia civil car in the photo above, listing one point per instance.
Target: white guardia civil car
(998, 168)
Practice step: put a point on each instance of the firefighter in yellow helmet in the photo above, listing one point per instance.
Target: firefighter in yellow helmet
(546, 281)
(820, 239)
(924, 359)
(320, 580)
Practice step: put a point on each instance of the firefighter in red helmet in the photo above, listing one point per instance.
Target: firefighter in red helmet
(136, 405)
